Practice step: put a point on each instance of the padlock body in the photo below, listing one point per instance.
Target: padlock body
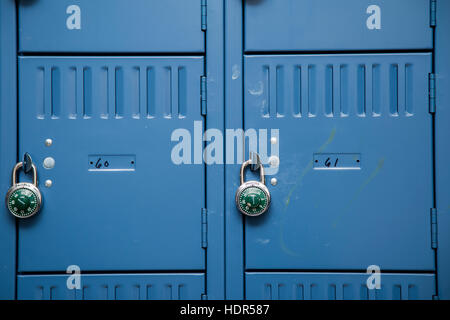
(253, 198)
(23, 200)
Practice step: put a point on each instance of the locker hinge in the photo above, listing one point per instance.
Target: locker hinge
(203, 95)
(204, 296)
(434, 238)
(432, 92)
(433, 13)
(204, 228)
(204, 4)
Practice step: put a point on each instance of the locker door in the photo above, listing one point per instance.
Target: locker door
(355, 181)
(162, 286)
(116, 200)
(306, 25)
(110, 26)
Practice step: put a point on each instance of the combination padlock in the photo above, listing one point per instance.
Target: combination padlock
(23, 199)
(252, 197)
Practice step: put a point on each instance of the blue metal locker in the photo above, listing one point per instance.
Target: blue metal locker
(355, 183)
(293, 25)
(349, 86)
(337, 286)
(105, 84)
(117, 201)
(94, 91)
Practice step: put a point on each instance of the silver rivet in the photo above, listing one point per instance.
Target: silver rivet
(273, 181)
(274, 161)
(273, 140)
(48, 142)
(49, 163)
(48, 183)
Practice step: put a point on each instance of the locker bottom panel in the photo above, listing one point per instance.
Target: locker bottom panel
(112, 287)
(338, 286)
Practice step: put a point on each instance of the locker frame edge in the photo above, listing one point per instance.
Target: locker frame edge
(442, 153)
(8, 143)
(215, 191)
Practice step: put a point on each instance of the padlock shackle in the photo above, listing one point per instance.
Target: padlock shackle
(18, 166)
(261, 172)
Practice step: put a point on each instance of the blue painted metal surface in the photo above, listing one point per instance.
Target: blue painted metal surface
(292, 25)
(110, 26)
(442, 147)
(234, 79)
(215, 192)
(338, 286)
(363, 117)
(162, 286)
(340, 218)
(8, 144)
(148, 218)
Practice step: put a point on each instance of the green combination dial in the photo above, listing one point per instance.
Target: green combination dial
(23, 202)
(252, 197)
(23, 199)
(253, 201)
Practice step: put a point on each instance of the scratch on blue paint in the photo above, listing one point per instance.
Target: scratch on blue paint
(283, 245)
